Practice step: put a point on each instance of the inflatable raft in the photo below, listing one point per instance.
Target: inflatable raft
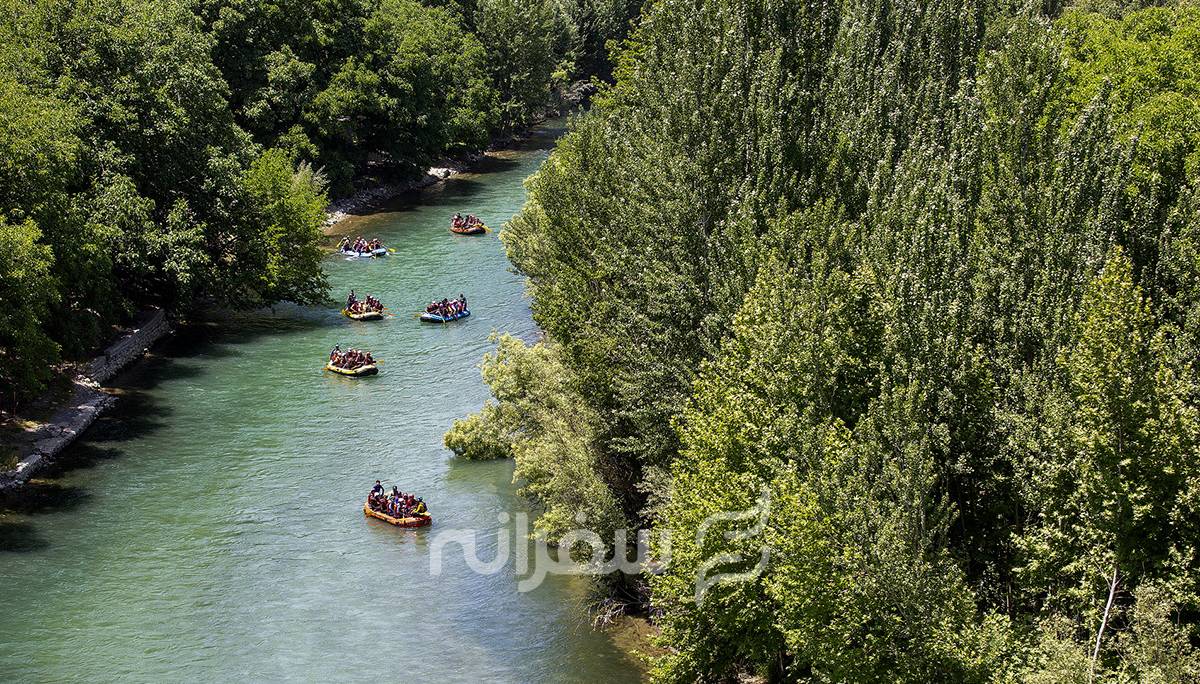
(370, 254)
(435, 318)
(411, 521)
(361, 371)
(477, 229)
(364, 316)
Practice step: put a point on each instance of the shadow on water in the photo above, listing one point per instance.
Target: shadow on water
(453, 189)
(82, 456)
(492, 163)
(20, 537)
(137, 413)
(213, 335)
(37, 497)
(217, 333)
(43, 496)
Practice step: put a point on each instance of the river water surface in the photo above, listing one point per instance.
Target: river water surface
(211, 527)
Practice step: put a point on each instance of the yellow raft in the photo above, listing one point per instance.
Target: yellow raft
(411, 521)
(359, 372)
(364, 316)
(474, 229)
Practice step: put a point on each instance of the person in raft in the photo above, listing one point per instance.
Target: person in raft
(396, 504)
(354, 305)
(447, 308)
(350, 359)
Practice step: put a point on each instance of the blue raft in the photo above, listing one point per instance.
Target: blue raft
(369, 254)
(434, 318)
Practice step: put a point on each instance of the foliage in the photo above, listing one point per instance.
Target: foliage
(172, 152)
(415, 89)
(926, 273)
(540, 420)
(25, 350)
(290, 204)
(519, 36)
(1114, 479)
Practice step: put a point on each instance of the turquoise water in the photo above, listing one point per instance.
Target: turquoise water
(211, 527)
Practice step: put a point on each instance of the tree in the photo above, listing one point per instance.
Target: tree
(937, 190)
(539, 419)
(519, 37)
(289, 210)
(27, 291)
(417, 89)
(859, 585)
(1110, 489)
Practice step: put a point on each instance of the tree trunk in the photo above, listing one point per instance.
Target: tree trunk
(1112, 591)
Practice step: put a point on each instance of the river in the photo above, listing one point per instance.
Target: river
(211, 527)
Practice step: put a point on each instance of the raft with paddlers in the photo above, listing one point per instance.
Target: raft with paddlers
(446, 310)
(410, 521)
(369, 309)
(438, 318)
(359, 372)
(362, 249)
(374, 253)
(352, 362)
(363, 315)
(396, 507)
(470, 225)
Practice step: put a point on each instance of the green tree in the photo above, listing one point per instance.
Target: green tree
(418, 89)
(519, 37)
(289, 208)
(27, 292)
(1111, 484)
(539, 419)
(859, 585)
(936, 187)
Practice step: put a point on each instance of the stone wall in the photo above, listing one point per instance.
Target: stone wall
(150, 327)
(87, 400)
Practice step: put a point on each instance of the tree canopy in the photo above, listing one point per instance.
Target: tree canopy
(177, 152)
(925, 274)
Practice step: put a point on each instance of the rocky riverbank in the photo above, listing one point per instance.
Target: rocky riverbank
(43, 442)
(373, 197)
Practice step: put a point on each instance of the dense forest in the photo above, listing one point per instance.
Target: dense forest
(924, 275)
(179, 151)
